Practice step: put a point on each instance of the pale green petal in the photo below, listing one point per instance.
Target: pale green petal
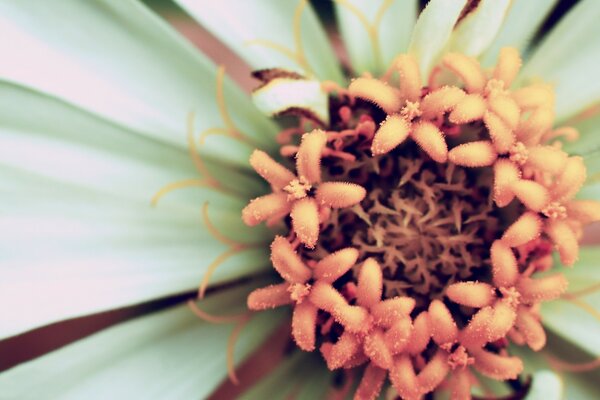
(167, 355)
(522, 22)
(589, 137)
(568, 59)
(258, 31)
(433, 30)
(567, 319)
(117, 59)
(68, 251)
(477, 30)
(546, 385)
(391, 23)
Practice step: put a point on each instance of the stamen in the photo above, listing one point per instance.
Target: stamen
(471, 294)
(392, 132)
(213, 318)
(473, 154)
(235, 333)
(377, 92)
(175, 186)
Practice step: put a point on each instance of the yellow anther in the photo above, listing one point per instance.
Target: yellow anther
(547, 159)
(565, 241)
(470, 108)
(534, 96)
(532, 194)
(297, 189)
(287, 262)
(505, 269)
(519, 153)
(501, 135)
(468, 70)
(431, 140)
(304, 325)
(508, 65)
(471, 294)
(505, 172)
(269, 297)
(392, 132)
(410, 77)
(305, 221)
(496, 366)
(265, 207)
(542, 289)
(570, 180)
(441, 101)
(340, 194)
(531, 329)
(411, 110)
(377, 92)
(370, 284)
(473, 154)
(333, 266)
(443, 328)
(271, 171)
(505, 108)
(308, 158)
(523, 230)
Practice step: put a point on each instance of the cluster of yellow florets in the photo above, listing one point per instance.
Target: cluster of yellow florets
(416, 348)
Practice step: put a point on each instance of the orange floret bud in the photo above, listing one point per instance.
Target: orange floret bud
(371, 383)
(506, 109)
(443, 327)
(496, 366)
(304, 325)
(508, 65)
(505, 172)
(542, 289)
(265, 207)
(420, 335)
(547, 159)
(565, 241)
(470, 108)
(305, 221)
(434, 372)
(570, 181)
(340, 194)
(473, 154)
(467, 69)
(370, 284)
(504, 264)
(501, 135)
(431, 140)
(471, 294)
(332, 267)
(392, 132)
(532, 194)
(308, 158)
(377, 92)
(376, 349)
(386, 313)
(287, 262)
(531, 329)
(269, 297)
(271, 171)
(410, 77)
(441, 101)
(524, 229)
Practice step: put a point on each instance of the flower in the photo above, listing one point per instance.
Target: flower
(436, 161)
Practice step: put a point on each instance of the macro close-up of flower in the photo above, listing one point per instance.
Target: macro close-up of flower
(294, 199)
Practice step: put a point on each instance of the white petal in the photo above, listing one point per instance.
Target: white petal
(392, 21)
(523, 20)
(478, 29)
(247, 26)
(170, 354)
(433, 30)
(67, 252)
(281, 94)
(117, 59)
(568, 59)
